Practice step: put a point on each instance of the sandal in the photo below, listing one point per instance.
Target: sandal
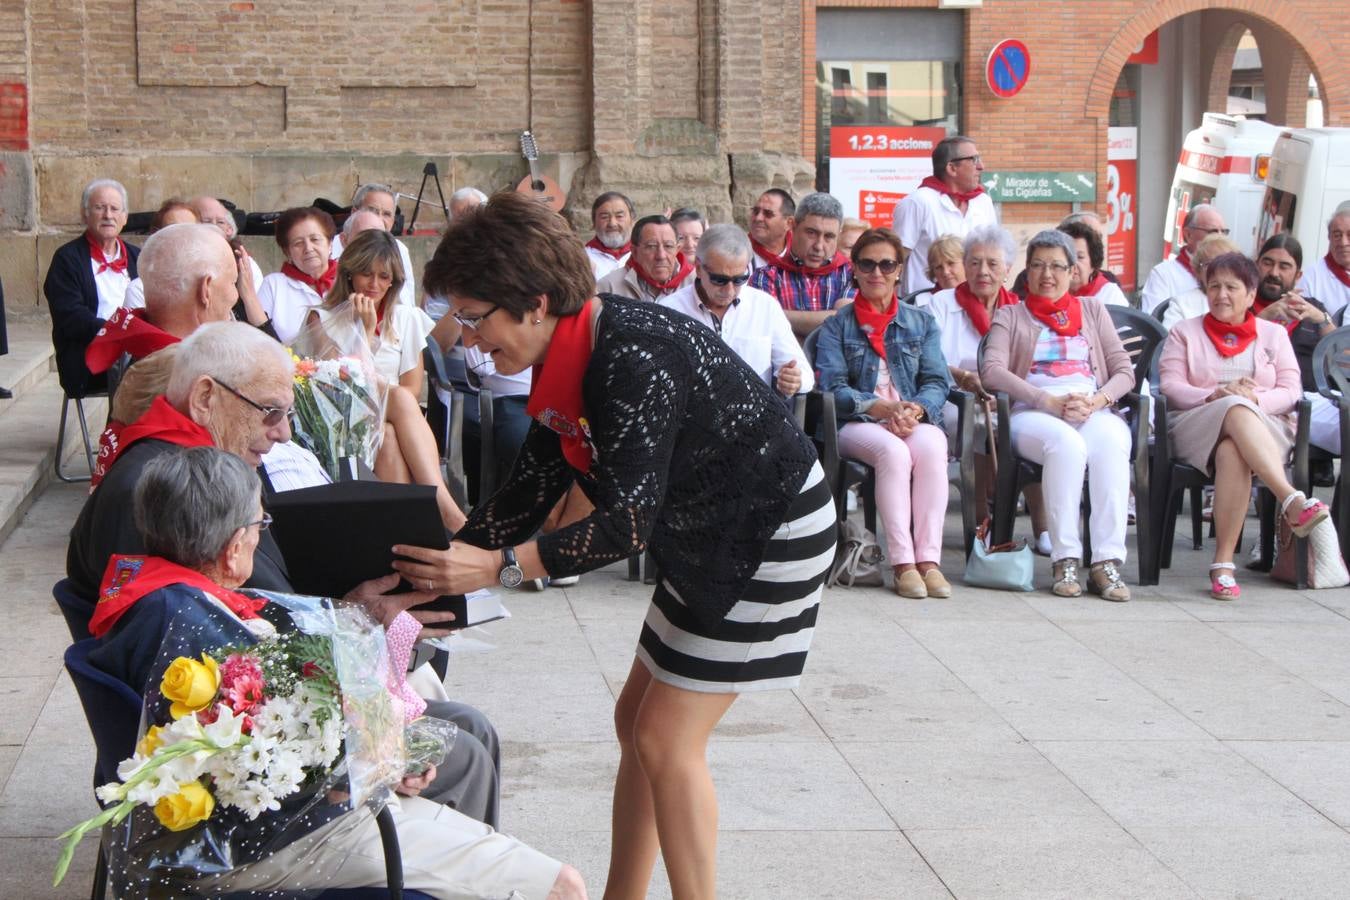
(1309, 517)
(1224, 586)
(1065, 573)
(1104, 580)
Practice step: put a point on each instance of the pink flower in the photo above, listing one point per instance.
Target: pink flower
(239, 665)
(209, 715)
(311, 670)
(245, 695)
(305, 368)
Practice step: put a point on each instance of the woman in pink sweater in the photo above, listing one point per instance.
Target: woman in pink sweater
(1231, 382)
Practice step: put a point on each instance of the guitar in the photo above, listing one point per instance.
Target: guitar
(540, 186)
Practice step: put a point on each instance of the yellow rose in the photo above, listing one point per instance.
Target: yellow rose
(190, 685)
(192, 804)
(152, 741)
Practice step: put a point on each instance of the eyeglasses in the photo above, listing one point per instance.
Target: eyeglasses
(652, 247)
(1209, 231)
(473, 321)
(975, 159)
(868, 266)
(263, 524)
(1042, 266)
(724, 280)
(272, 415)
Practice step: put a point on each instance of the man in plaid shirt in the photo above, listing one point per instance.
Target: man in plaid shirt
(813, 275)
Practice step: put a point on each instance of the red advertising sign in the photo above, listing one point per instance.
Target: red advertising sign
(877, 208)
(883, 162)
(1122, 185)
(1147, 52)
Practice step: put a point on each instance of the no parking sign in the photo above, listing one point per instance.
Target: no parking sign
(1008, 68)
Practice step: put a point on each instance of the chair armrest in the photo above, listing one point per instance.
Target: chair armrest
(487, 454)
(393, 856)
(964, 401)
(1302, 472)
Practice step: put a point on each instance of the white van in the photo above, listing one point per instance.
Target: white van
(1221, 164)
(1309, 177)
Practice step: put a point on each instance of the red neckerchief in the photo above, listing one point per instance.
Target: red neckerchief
(958, 197)
(974, 306)
(594, 244)
(768, 255)
(1063, 316)
(96, 254)
(161, 422)
(1184, 257)
(125, 331)
(682, 270)
(874, 321)
(129, 578)
(789, 264)
(320, 285)
(1341, 272)
(555, 393)
(1259, 306)
(1230, 340)
(1093, 287)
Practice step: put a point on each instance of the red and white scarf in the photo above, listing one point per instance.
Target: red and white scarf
(1341, 272)
(975, 308)
(555, 395)
(104, 264)
(129, 578)
(1093, 287)
(320, 285)
(161, 422)
(958, 197)
(875, 321)
(788, 263)
(682, 270)
(1230, 340)
(617, 253)
(125, 331)
(1063, 316)
(768, 255)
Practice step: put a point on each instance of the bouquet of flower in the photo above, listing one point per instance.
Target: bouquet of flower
(339, 401)
(297, 721)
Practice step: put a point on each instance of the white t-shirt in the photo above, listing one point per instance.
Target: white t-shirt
(960, 340)
(1168, 279)
(1111, 295)
(408, 294)
(480, 365)
(287, 302)
(1188, 305)
(399, 347)
(111, 286)
(602, 263)
(135, 297)
(755, 327)
(1320, 283)
(926, 215)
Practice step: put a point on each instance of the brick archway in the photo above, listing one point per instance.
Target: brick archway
(1298, 26)
(1220, 75)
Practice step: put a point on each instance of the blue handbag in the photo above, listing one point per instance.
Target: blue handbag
(1005, 567)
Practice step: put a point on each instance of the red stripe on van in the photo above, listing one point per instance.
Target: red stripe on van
(1238, 164)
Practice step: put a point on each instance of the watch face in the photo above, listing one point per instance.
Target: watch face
(511, 576)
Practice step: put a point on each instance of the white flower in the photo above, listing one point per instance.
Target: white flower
(253, 799)
(226, 731)
(254, 757)
(153, 788)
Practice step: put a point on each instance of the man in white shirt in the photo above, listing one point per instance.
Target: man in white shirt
(612, 218)
(1174, 277)
(1328, 278)
(750, 321)
(950, 201)
(379, 199)
(771, 220)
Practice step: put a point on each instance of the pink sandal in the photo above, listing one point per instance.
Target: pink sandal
(1224, 586)
(1309, 517)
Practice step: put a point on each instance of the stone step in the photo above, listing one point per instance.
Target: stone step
(30, 358)
(28, 427)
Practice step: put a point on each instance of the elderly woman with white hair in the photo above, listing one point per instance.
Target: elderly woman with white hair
(1060, 360)
(87, 282)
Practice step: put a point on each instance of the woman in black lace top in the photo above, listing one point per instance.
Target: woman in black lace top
(680, 447)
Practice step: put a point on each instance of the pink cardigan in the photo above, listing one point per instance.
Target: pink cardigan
(1189, 361)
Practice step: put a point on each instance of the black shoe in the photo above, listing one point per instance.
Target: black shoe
(6, 394)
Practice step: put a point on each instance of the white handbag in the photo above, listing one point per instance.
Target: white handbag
(860, 562)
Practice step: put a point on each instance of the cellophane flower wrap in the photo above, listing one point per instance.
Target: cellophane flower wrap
(339, 400)
(255, 760)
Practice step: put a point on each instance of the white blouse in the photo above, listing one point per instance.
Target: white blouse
(287, 302)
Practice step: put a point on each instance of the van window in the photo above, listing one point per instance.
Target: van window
(1185, 194)
(1277, 214)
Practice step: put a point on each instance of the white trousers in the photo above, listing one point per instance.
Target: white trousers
(1099, 447)
(1325, 428)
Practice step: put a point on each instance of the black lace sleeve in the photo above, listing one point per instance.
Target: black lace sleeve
(637, 390)
(514, 513)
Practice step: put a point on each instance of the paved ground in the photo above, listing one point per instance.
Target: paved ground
(991, 745)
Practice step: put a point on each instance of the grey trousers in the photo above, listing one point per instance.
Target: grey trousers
(468, 780)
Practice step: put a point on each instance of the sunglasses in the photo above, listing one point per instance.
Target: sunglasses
(868, 266)
(272, 415)
(724, 280)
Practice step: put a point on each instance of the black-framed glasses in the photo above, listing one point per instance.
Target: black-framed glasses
(263, 524)
(473, 321)
(724, 280)
(975, 158)
(272, 415)
(868, 266)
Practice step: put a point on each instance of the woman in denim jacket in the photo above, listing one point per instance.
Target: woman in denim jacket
(893, 412)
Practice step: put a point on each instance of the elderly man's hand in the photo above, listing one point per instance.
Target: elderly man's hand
(412, 785)
(384, 607)
(789, 378)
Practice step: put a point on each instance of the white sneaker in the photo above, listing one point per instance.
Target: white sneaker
(565, 581)
(1042, 545)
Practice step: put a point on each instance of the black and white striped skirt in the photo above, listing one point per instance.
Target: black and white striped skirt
(762, 641)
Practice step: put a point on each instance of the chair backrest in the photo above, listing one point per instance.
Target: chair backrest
(909, 298)
(112, 708)
(1331, 363)
(1141, 334)
(77, 610)
(1161, 308)
(809, 345)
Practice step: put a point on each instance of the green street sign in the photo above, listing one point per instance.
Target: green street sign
(1040, 187)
